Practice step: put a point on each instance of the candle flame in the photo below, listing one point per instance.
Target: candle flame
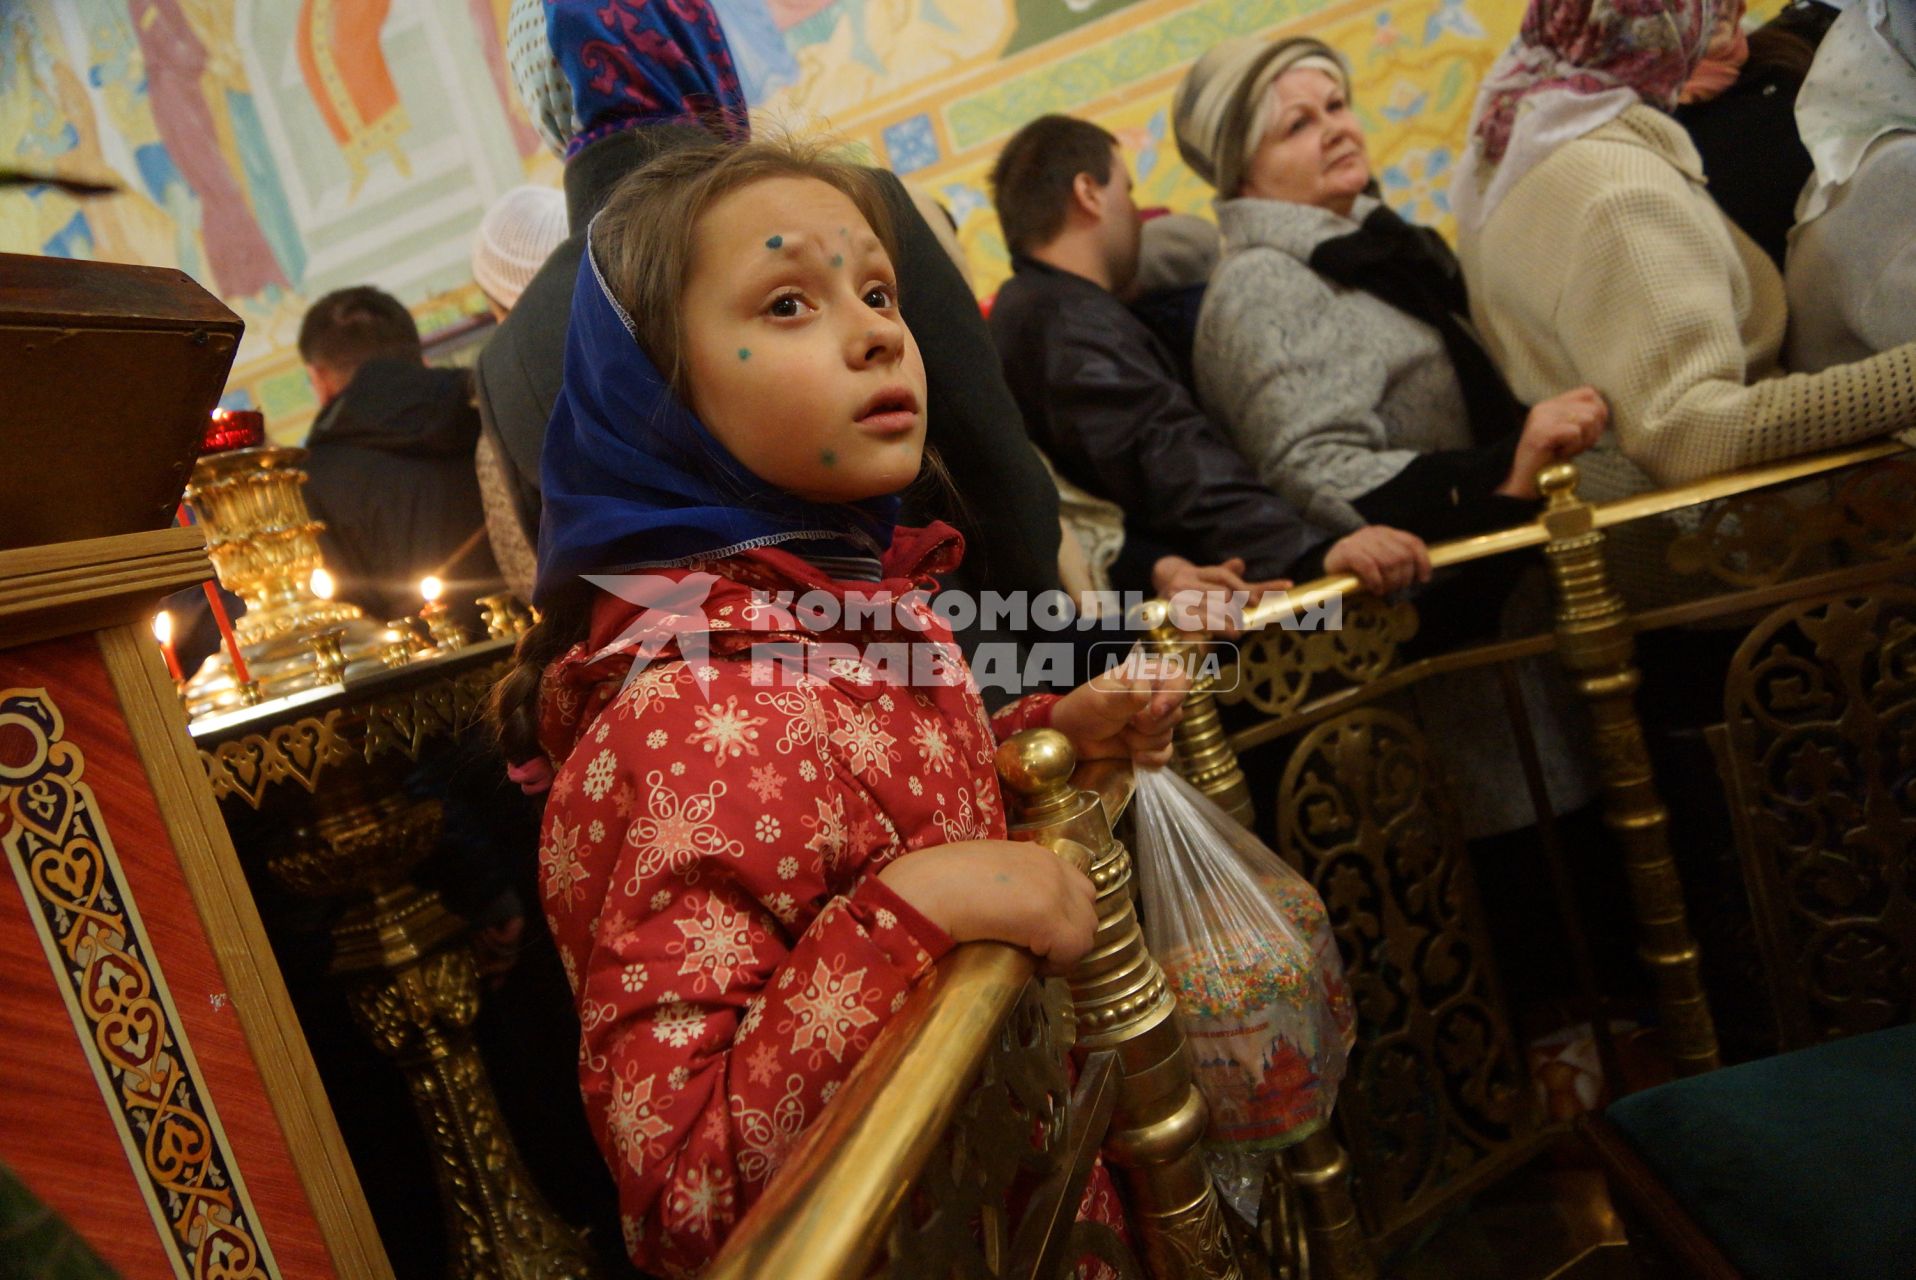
(322, 583)
(431, 588)
(163, 627)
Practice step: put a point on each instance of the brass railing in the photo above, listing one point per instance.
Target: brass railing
(1361, 803)
(1360, 808)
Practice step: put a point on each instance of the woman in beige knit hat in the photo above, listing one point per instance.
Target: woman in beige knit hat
(1333, 342)
(1333, 345)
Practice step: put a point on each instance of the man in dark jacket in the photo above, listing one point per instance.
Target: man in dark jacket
(1102, 395)
(390, 462)
(1007, 508)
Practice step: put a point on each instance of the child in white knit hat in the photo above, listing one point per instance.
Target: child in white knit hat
(519, 231)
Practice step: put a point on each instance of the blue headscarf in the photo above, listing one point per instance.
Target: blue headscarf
(631, 478)
(634, 62)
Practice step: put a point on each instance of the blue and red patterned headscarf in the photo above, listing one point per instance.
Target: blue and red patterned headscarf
(638, 62)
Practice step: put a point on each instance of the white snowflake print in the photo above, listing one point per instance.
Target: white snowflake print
(632, 1117)
(898, 1001)
(827, 828)
(802, 716)
(861, 736)
(678, 768)
(885, 703)
(717, 945)
(655, 739)
(787, 868)
(675, 1078)
(661, 900)
(807, 771)
(886, 920)
(676, 831)
(917, 787)
(633, 1232)
(677, 1024)
(632, 978)
(648, 689)
(964, 825)
(765, 1136)
(850, 669)
(783, 906)
(766, 828)
(727, 732)
(571, 968)
(701, 1201)
(829, 1092)
(559, 867)
(599, 774)
(767, 783)
(828, 1013)
(605, 727)
(754, 1012)
(595, 832)
(934, 748)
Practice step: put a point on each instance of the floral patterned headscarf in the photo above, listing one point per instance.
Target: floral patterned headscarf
(1574, 66)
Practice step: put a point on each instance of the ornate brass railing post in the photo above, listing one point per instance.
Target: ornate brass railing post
(1204, 754)
(1122, 1002)
(414, 990)
(1597, 648)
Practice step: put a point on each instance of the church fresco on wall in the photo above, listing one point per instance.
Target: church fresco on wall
(277, 149)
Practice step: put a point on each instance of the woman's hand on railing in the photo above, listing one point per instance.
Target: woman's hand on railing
(1220, 589)
(1381, 558)
(1557, 430)
(1001, 891)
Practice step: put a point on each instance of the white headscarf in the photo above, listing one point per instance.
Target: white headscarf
(1861, 86)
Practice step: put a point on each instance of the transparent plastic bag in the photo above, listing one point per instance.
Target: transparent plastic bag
(1247, 948)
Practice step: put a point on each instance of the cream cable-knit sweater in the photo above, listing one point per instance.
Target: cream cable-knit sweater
(1609, 264)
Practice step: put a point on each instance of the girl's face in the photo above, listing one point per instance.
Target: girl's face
(1313, 152)
(796, 355)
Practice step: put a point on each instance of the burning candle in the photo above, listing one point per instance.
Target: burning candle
(163, 632)
(322, 584)
(431, 588)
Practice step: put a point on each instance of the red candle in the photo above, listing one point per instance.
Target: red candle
(240, 674)
(163, 632)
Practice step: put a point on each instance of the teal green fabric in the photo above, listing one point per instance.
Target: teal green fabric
(35, 1244)
(1801, 1166)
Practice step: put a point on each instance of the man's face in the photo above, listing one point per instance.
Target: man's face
(1119, 225)
(327, 383)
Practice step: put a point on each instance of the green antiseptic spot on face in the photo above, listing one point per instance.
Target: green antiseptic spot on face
(745, 353)
(775, 242)
(838, 260)
(827, 457)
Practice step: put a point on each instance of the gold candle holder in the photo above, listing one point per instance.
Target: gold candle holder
(504, 616)
(264, 544)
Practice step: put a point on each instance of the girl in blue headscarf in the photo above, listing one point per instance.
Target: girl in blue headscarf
(758, 835)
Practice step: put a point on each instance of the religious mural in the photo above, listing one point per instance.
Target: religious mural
(276, 149)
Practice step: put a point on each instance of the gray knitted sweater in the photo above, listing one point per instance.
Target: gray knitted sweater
(1329, 391)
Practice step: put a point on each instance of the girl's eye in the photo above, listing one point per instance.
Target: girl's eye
(786, 306)
(880, 297)
(1297, 127)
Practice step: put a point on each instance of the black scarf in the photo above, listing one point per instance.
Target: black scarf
(1413, 270)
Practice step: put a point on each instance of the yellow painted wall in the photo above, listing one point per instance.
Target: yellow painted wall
(931, 88)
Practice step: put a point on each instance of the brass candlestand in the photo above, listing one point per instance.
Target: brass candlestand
(319, 793)
(265, 545)
(1123, 1003)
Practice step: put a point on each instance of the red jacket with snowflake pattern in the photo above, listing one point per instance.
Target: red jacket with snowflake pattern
(708, 865)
